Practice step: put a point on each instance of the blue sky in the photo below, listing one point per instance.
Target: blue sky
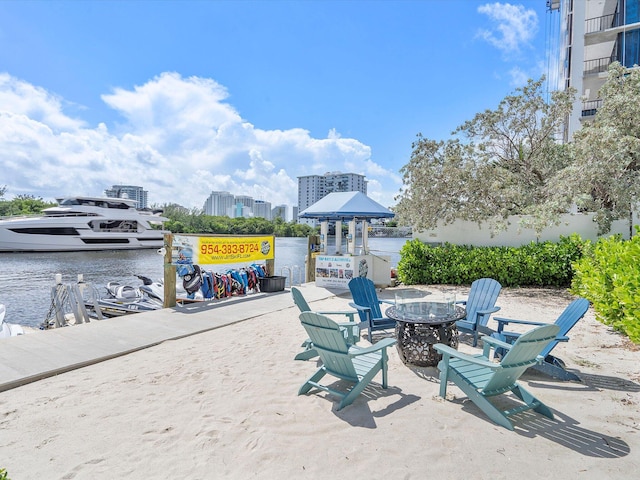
(187, 97)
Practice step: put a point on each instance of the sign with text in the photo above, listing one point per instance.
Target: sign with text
(207, 250)
(334, 271)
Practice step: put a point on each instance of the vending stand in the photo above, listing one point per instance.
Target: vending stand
(334, 269)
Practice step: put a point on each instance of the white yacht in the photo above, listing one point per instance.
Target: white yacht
(84, 223)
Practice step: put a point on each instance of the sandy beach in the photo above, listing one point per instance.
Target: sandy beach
(224, 404)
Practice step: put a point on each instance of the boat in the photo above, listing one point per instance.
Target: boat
(122, 299)
(8, 329)
(84, 223)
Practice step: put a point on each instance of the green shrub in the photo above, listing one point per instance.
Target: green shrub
(609, 277)
(535, 264)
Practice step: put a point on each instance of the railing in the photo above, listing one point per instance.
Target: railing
(600, 24)
(389, 232)
(590, 107)
(295, 274)
(598, 65)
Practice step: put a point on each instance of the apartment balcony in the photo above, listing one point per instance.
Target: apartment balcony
(598, 65)
(590, 108)
(605, 22)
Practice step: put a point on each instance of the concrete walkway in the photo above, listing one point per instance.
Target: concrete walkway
(34, 356)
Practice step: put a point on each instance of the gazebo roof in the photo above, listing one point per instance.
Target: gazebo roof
(346, 206)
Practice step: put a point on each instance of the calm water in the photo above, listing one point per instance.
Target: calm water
(26, 278)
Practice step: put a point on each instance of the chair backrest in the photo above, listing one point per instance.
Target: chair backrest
(521, 355)
(364, 294)
(328, 339)
(482, 295)
(567, 319)
(299, 300)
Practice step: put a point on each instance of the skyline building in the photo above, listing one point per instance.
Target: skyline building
(312, 188)
(219, 204)
(279, 211)
(132, 192)
(262, 209)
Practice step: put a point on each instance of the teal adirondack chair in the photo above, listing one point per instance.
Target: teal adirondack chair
(552, 366)
(480, 304)
(350, 328)
(480, 378)
(352, 363)
(366, 302)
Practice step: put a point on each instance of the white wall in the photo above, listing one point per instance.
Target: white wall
(469, 233)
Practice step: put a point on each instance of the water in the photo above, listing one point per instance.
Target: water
(26, 278)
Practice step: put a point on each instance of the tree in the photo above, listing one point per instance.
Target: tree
(604, 176)
(498, 164)
(23, 205)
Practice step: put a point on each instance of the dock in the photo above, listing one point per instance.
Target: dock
(45, 353)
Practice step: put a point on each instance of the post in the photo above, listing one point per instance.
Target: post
(351, 239)
(338, 237)
(271, 262)
(169, 274)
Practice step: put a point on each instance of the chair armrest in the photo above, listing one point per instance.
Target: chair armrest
(493, 342)
(347, 313)
(505, 321)
(488, 311)
(496, 342)
(447, 351)
(387, 302)
(359, 307)
(384, 343)
(461, 302)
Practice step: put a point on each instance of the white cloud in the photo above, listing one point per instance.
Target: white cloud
(180, 139)
(513, 26)
(518, 77)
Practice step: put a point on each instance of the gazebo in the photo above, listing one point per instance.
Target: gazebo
(353, 207)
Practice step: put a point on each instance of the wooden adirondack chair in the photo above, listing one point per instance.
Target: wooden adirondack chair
(347, 362)
(366, 302)
(350, 328)
(551, 366)
(480, 304)
(480, 378)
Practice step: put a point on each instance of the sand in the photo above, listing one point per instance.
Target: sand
(224, 404)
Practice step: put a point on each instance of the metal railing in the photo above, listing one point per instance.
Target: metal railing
(598, 65)
(600, 24)
(590, 107)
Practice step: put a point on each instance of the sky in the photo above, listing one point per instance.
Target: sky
(188, 97)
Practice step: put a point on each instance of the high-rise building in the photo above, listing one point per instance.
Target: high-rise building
(219, 204)
(312, 188)
(279, 211)
(262, 209)
(129, 191)
(593, 34)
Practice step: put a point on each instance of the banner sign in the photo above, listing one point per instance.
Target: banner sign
(334, 271)
(224, 250)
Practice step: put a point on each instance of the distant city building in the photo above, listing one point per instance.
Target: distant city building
(312, 188)
(279, 211)
(295, 213)
(129, 191)
(262, 209)
(219, 204)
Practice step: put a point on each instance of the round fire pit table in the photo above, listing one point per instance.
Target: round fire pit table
(420, 325)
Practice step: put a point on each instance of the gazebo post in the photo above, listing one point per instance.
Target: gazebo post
(351, 239)
(338, 237)
(365, 237)
(324, 234)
